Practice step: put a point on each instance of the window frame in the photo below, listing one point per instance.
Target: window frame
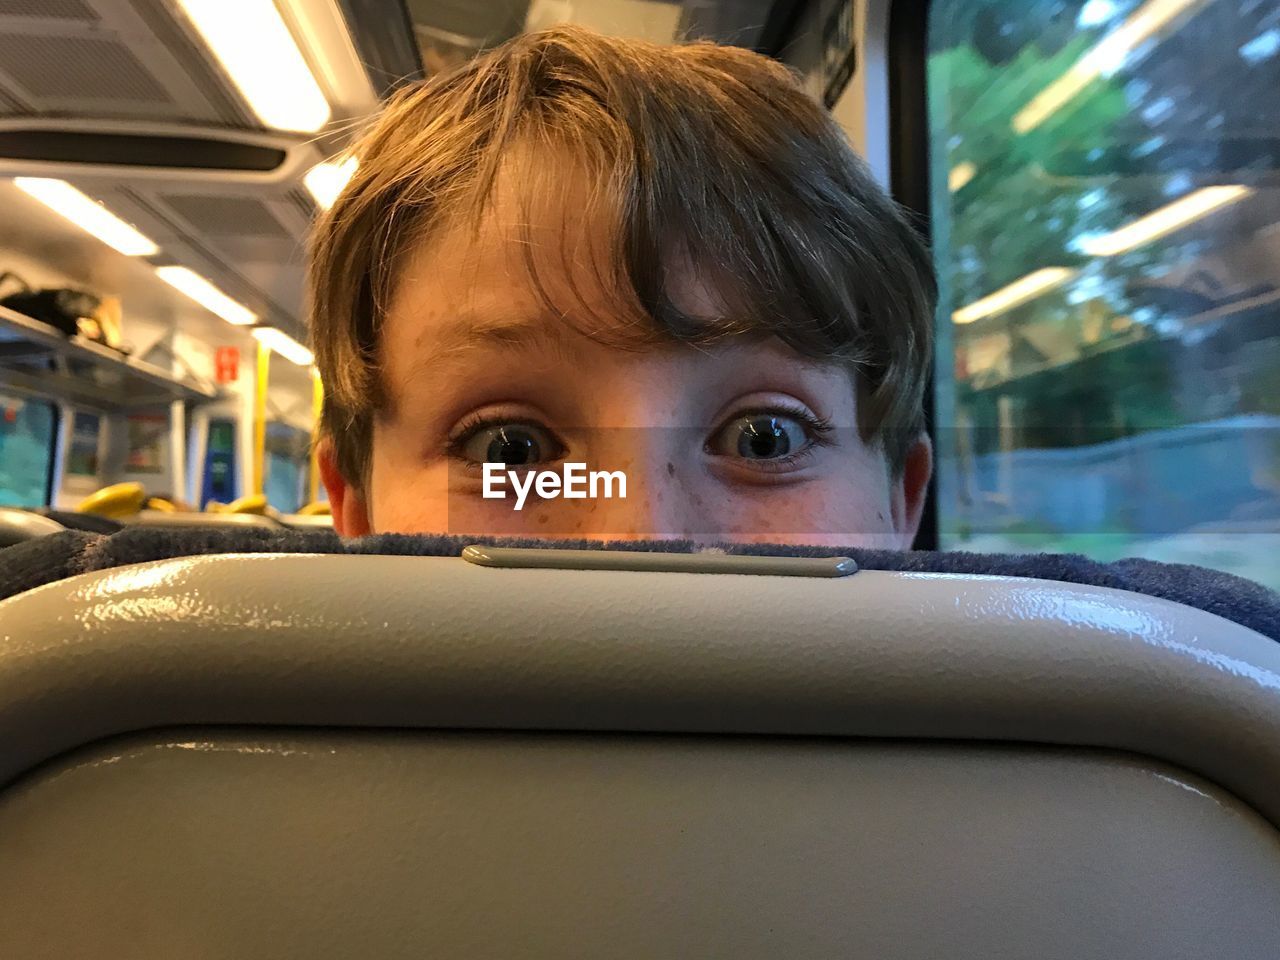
(906, 56)
(51, 465)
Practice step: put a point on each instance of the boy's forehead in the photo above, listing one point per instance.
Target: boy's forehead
(542, 261)
(539, 234)
(538, 273)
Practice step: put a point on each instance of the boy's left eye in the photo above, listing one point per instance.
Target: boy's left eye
(766, 436)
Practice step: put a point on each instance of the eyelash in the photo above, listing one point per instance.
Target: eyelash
(818, 432)
(474, 423)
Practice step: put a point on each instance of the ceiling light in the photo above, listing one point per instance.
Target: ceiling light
(283, 344)
(326, 180)
(87, 214)
(207, 295)
(1165, 220)
(1015, 294)
(255, 48)
(1104, 58)
(960, 175)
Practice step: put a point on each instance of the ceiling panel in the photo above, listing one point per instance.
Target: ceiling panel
(49, 9)
(249, 243)
(71, 68)
(227, 217)
(109, 59)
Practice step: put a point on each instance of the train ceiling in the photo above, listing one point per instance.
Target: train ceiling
(127, 101)
(130, 103)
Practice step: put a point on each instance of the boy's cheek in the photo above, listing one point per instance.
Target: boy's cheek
(406, 495)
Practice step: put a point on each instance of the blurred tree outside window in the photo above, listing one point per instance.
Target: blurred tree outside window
(1106, 223)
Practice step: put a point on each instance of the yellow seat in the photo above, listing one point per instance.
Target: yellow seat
(319, 508)
(255, 504)
(114, 502)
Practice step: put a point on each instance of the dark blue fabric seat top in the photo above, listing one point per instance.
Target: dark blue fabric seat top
(45, 560)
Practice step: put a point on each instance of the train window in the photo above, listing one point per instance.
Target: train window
(82, 454)
(1106, 223)
(28, 429)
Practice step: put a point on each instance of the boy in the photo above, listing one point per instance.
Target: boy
(659, 263)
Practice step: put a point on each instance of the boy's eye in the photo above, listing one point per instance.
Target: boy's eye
(513, 444)
(760, 436)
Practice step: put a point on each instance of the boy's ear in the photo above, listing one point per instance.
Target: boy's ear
(350, 515)
(910, 489)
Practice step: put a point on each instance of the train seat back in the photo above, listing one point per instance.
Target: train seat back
(19, 526)
(391, 756)
(158, 518)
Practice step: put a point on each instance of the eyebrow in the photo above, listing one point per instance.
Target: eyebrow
(468, 333)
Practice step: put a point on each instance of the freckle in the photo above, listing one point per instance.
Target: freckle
(671, 469)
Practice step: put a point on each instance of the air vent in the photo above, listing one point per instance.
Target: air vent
(47, 9)
(75, 68)
(225, 217)
(135, 150)
(160, 17)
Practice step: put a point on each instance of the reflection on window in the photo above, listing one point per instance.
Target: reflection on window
(1106, 196)
(27, 430)
(287, 460)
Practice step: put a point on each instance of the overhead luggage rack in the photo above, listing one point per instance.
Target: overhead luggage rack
(84, 371)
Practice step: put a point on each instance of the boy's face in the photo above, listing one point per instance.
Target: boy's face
(744, 441)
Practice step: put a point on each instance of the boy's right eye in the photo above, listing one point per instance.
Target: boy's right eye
(512, 444)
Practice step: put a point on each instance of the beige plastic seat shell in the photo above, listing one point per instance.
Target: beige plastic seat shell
(395, 757)
(302, 521)
(164, 518)
(18, 526)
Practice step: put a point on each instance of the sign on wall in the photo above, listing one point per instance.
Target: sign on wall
(227, 364)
